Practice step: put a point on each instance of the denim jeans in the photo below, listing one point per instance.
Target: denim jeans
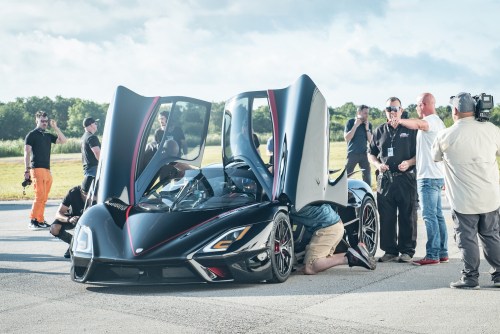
(429, 192)
(91, 171)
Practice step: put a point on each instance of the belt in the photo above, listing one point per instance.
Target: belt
(402, 173)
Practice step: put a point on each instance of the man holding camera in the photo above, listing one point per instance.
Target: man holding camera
(468, 150)
(430, 179)
(392, 151)
(358, 132)
(37, 147)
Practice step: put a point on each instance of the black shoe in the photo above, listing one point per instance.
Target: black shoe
(355, 259)
(34, 225)
(67, 255)
(464, 284)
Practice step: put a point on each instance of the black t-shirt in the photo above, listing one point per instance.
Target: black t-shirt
(357, 144)
(74, 201)
(40, 142)
(176, 134)
(403, 142)
(89, 140)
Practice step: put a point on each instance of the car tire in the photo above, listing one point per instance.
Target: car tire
(281, 248)
(368, 224)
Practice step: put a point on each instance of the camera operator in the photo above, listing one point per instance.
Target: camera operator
(392, 151)
(468, 149)
(357, 133)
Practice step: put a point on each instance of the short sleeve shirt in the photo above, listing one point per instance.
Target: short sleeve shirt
(40, 142)
(74, 201)
(427, 168)
(393, 146)
(176, 134)
(315, 217)
(358, 142)
(89, 140)
(468, 150)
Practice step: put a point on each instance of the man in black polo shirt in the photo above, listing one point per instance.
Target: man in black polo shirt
(69, 212)
(91, 147)
(357, 133)
(392, 152)
(37, 162)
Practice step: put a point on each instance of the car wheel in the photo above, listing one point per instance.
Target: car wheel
(368, 224)
(282, 248)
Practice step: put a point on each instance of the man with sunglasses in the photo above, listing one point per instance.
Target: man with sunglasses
(37, 147)
(392, 152)
(469, 150)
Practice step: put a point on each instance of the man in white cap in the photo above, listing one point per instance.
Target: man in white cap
(91, 147)
(468, 150)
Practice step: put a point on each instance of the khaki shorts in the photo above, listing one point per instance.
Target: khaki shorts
(324, 242)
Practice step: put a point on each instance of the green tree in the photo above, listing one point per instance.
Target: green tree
(79, 111)
(14, 122)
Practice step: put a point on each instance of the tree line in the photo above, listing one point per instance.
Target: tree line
(17, 118)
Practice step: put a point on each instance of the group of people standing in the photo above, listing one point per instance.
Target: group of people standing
(37, 149)
(414, 159)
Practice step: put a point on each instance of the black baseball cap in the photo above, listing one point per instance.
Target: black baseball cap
(88, 121)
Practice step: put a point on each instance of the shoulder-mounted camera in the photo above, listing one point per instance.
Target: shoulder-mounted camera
(484, 104)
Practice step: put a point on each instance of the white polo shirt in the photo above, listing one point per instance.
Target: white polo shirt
(468, 149)
(427, 168)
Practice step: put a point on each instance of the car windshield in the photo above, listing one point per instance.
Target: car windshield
(210, 188)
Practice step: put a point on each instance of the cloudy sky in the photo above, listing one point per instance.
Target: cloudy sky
(358, 51)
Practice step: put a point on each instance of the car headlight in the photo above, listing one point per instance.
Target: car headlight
(223, 242)
(83, 240)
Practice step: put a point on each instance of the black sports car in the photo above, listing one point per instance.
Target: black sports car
(160, 218)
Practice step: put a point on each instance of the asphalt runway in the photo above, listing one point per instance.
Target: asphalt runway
(37, 295)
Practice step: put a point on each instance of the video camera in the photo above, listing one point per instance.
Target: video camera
(484, 104)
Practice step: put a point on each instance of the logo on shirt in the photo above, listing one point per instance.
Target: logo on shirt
(403, 135)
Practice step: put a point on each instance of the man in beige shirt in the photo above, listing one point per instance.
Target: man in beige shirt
(468, 150)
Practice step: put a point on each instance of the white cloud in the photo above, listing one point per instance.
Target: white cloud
(359, 51)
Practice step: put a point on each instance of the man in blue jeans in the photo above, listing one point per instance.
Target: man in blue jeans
(430, 179)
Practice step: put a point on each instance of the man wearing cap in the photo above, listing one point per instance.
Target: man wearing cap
(392, 152)
(37, 147)
(430, 179)
(468, 149)
(69, 212)
(357, 133)
(91, 147)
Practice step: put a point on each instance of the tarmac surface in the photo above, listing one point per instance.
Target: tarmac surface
(37, 295)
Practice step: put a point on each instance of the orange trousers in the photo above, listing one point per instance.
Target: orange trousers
(42, 181)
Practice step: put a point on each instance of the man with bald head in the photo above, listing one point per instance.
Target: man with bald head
(430, 179)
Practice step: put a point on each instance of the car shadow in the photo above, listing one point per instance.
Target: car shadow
(339, 280)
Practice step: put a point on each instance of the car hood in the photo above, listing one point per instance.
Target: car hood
(301, 144)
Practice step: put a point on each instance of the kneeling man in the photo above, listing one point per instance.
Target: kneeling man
(327, 229)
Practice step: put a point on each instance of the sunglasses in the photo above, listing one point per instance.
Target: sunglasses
(392, 109)
(44, 121)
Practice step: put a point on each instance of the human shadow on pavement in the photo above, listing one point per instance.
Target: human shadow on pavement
(21, 206)
(45, 237)
(26, 271)
(16, 257)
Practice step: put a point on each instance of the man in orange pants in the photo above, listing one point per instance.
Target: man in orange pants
(37, 162)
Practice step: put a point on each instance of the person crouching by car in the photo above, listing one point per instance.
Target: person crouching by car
(69, 212)
(327, 229)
